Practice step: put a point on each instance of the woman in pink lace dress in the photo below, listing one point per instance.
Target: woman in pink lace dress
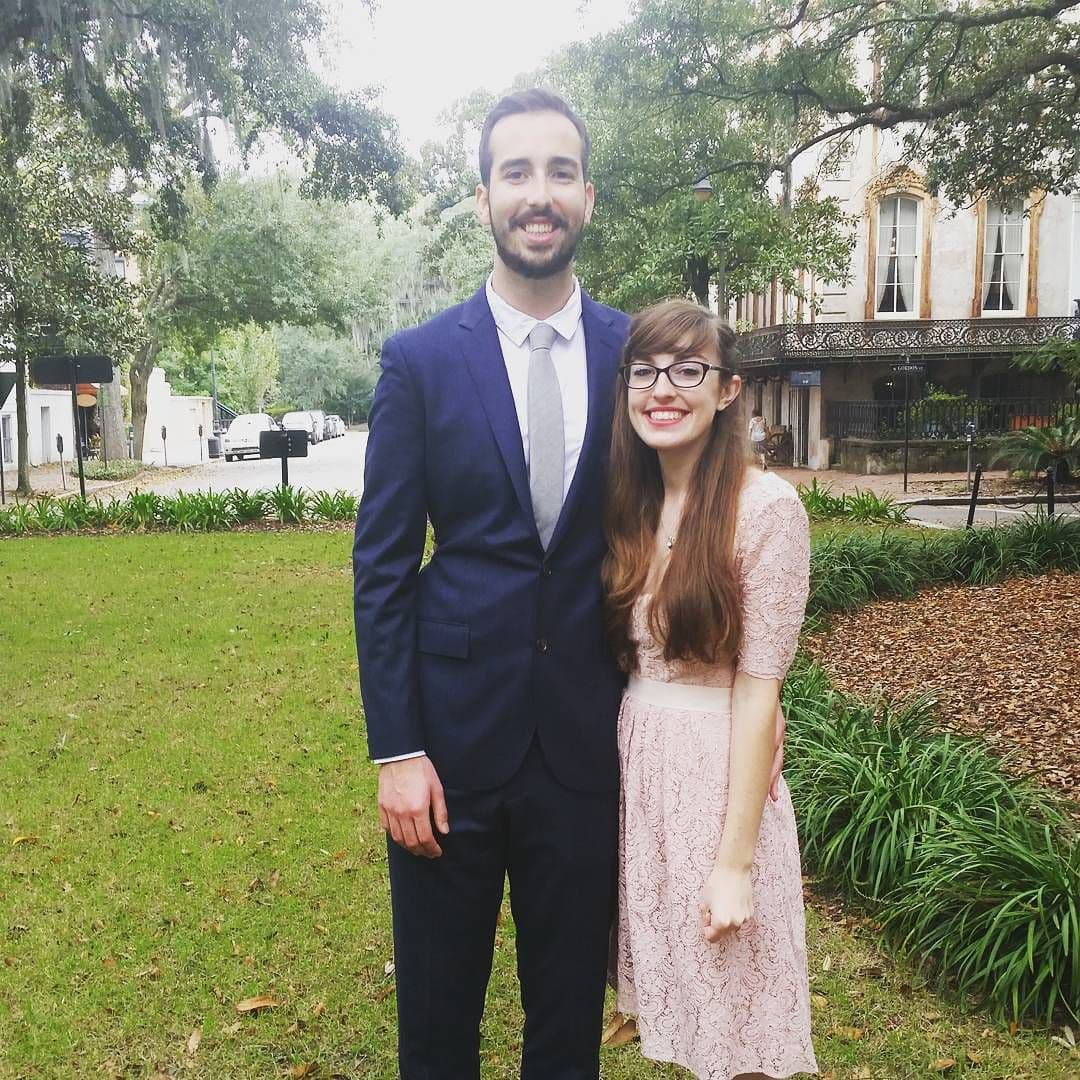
(707, 581)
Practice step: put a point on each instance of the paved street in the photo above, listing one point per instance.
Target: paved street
(332, 465)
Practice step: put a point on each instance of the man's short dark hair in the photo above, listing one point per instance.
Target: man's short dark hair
(526, 101)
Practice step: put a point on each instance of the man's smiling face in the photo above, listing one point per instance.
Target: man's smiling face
(537, 200)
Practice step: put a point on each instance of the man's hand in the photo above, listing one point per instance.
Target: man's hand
(778, 758)
(410, 795)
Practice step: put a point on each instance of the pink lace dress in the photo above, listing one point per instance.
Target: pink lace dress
(741, 1005)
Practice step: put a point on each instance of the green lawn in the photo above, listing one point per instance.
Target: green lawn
(188, 820)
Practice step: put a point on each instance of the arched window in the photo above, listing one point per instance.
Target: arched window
(1003, 259)
(897, 257)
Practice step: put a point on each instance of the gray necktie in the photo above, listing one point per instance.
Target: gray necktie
(547, 454)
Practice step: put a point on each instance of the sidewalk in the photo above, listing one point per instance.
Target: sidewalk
(47, 480)
(919, 484)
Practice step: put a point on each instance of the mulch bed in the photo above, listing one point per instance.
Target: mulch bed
(1002, 660)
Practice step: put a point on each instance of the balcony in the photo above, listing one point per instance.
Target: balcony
(801, 344)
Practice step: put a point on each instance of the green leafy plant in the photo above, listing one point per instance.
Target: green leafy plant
(872, 508)
(140, 510)
(291, 504)
(333, 506)
(1034, 449)
(976, 874)
(247, 505)
(213, 510)
(180, 512)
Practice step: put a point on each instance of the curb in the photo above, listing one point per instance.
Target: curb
(989, 500)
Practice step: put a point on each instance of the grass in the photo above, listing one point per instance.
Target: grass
(188, 821)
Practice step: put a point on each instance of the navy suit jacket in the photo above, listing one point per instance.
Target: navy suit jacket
(493, 641)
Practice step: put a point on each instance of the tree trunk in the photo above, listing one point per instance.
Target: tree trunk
(22, 423)
(141, 367)
(111, 416)
(698, 274)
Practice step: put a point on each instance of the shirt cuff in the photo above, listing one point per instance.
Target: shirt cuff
(400, 757)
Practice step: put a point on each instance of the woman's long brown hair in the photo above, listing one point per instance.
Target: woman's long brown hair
(694, 611)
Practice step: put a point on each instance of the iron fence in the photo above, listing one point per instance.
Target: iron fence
(932, 419)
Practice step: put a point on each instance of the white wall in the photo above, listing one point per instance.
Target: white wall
(43, 426)
(181, 417)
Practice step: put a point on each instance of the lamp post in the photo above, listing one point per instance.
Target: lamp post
(703, 192)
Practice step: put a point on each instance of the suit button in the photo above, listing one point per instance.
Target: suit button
(543, 646)
(545, 570)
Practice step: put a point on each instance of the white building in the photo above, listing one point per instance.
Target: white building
(953, 290)
(48, 415)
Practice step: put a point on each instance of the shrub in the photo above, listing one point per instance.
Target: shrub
(862, 506)
(973, 872)
(117, 469)
(291, 504)
(247, 505)
(140, 510)
(333, 506)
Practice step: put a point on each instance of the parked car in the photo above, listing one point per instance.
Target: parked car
(339, 424)
(320, 423)
(303, 421)
(242, 438)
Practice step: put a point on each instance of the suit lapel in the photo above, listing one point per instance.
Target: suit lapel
(479, 344)
(602, 348)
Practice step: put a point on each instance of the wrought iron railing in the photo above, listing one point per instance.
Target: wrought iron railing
(223, 417)
(930, 419)
(808, 342)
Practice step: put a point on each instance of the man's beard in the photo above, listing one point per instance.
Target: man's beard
(555, 263)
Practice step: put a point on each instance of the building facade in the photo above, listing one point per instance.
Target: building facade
(940, 298)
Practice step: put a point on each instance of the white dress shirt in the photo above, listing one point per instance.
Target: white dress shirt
(568, 356)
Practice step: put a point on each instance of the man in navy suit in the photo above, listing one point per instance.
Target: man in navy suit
(490, 696)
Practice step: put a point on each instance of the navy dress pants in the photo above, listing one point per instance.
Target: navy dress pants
(558, 847)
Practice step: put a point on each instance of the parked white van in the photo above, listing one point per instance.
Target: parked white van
(242, 438)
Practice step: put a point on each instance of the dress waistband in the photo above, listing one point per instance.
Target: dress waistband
(673, 695)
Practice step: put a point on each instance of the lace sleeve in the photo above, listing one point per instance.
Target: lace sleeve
(773, 545)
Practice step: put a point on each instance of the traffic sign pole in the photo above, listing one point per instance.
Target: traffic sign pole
(75, 418)
(907, 425)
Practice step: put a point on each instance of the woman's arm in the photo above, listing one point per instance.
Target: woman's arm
(727, 900)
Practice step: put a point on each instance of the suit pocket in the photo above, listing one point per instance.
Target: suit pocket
(442, 638)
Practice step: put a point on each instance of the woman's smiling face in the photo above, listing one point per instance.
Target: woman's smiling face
(670, 417)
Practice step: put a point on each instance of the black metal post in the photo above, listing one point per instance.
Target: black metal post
(101, 424)
(1050, 471)
(75, 418)
(907, 425)
(974, 496)
(284, 467)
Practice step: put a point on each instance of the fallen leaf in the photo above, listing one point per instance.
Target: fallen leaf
(193, 1042)
(862, 1073)
(275, 877)
(24, 840)
(620, 1031)
(819, 1001)
(941, 1065)
(852, 1033)
(388, 967)
(299, 1072)
(254, 1004)
(973, 1058)
(826, 964)
(319, 1009)
(232, 1029)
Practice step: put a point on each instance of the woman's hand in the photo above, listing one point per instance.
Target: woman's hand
(727, 902)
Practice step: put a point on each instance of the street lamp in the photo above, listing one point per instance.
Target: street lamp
(702, 192)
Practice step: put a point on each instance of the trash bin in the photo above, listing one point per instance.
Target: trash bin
(213, 447)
